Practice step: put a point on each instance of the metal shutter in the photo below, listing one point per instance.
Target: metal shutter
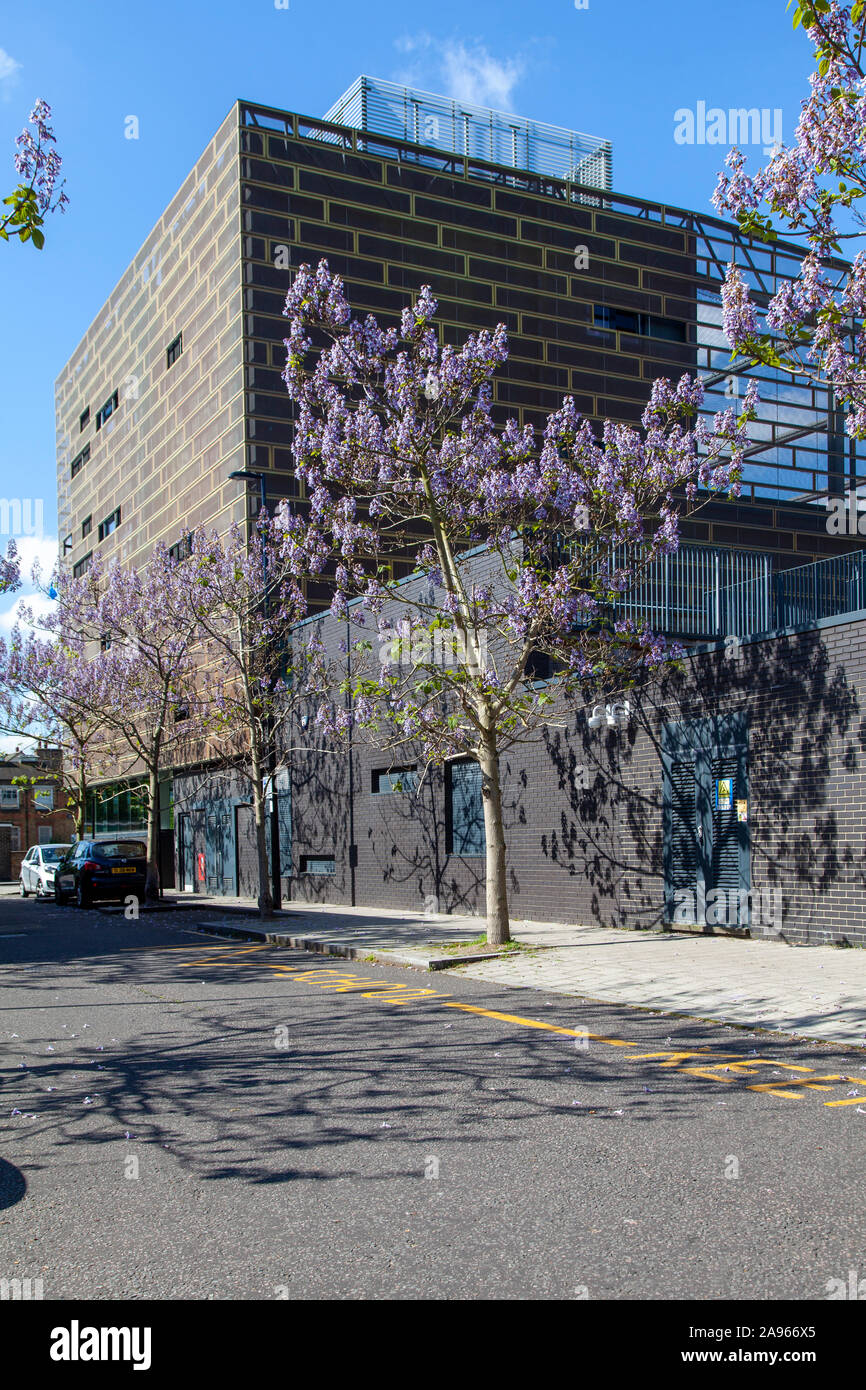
(726, 837)
(684, 845)
(467, 809)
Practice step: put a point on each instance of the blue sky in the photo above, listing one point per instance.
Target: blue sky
(616, 68)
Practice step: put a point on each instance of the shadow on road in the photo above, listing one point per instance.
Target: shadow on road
(13, 1184)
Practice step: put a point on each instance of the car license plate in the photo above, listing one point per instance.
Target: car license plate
(67, 883)
(123, 871)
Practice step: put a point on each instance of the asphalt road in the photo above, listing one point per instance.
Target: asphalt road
(210, 1120)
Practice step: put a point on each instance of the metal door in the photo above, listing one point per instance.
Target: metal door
(246, 853)
(705, 829)
(186, 866)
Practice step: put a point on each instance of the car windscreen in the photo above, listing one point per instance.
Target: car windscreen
(54, 853)
(119, 849)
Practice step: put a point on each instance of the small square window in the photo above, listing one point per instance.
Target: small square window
(173, 351)
(84, 420)
(317, 864)
(394, 779)
(67, 544)
(86, 526)
(43, 798)
(45, 834)
(9, 799)
(105, 641)
(110, 524)
(106, 411)
(181, 549)
(80, 460)
(83, 565)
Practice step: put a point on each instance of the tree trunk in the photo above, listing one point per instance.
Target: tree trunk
(494, 830)
(265, 900)
(151, 882)
(81, 807)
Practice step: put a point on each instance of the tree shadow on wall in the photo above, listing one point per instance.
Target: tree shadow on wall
(319, 772)
(407, 836)
(804, 720)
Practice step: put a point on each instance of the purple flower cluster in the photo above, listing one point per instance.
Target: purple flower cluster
(37, 163)
(397, 447)
(813, 189)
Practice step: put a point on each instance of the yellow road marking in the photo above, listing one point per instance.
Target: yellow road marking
(674, 1057)
(780, 1088)
(246, 951)
(849, 1100)
(745, 1066)
(145, 950)
(346, 982)
(536, 1023)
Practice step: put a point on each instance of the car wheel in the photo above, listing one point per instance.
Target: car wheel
(83, 895)
(21, 889)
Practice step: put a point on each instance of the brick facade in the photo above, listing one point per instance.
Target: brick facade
(594, 854)
(24, 820)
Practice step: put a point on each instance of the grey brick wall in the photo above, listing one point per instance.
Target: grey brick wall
(594, 855)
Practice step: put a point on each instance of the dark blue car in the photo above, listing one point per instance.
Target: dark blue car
(99, 869)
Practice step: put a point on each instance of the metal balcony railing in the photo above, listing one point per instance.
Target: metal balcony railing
(699, 593)
(824, 589)
(702, 593)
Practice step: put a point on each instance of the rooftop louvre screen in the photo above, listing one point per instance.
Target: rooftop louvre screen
(423, 118)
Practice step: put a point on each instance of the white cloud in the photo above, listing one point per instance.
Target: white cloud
(464, 72)
(8, 615)
(30, 549)
(36, 548)
(8, 66)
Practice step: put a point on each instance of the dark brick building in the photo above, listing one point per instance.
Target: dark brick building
(173, 403)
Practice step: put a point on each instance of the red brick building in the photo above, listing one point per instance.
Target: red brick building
(32, 807)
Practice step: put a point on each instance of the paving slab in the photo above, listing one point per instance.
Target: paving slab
(817, 991)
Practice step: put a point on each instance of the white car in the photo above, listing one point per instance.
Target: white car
(38, 868)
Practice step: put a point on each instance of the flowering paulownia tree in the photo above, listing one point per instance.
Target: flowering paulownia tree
(245, 602)
(141, 631)
(50, 690)
(814, 322)
(405, 471)
(38, 165)
(10, 569)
